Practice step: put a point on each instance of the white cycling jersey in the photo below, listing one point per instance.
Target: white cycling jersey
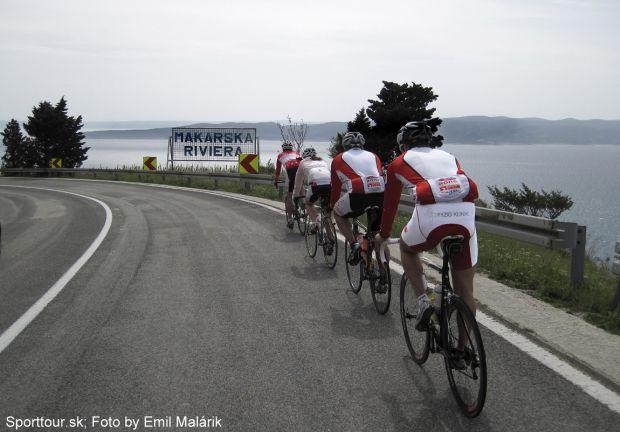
(311, 172)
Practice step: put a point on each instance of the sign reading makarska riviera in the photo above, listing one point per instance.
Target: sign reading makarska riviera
(212, 144)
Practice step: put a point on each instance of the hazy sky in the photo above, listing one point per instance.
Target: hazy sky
(316, 60)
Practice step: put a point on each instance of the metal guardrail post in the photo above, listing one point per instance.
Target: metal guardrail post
(280, 193)
(578, 258)
(247, 186)
(615, 268)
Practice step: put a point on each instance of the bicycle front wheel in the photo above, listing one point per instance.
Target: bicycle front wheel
(354, 273)
(381, 290)
(311, 241)
(465, 358)
(418, 342)
(330, 242)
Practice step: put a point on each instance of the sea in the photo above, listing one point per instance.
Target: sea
(588, 174)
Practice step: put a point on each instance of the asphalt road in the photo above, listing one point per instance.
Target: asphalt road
(197, 305)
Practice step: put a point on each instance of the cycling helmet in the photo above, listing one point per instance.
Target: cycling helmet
(287, 146)
(353, 139)
(415, 132)
(308, 153)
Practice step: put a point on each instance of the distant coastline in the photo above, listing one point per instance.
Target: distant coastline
(456, 130)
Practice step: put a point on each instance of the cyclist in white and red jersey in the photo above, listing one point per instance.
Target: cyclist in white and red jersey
(287, 154)
(444, 198)
(357, 184)
(314, 172)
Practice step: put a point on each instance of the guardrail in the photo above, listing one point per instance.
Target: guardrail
(535, 230)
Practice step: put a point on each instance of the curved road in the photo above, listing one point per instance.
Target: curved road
(196, 304)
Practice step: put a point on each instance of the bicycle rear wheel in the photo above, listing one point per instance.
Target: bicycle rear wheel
(311, 241)
(418, 342)
(330, 242)
(381, 293)
(354, 273)
(465, 360)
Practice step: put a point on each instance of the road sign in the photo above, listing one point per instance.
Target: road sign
(56, 163)
(248, 163)
(211, 144)
(149, 163)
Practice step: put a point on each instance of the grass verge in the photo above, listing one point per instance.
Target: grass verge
(541, 272)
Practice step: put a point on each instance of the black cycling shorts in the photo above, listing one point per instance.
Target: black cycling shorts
(317, 191)
(291, 173)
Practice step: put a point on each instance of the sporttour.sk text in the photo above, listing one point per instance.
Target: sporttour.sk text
(124, 423)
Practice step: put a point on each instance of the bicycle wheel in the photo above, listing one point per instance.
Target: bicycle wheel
(418, 342)
(311, 241)
(465, 361)
(354, 273)
(381, 293)
(330, 242)
(302, 219)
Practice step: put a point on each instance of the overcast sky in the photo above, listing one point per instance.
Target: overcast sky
(316, 60)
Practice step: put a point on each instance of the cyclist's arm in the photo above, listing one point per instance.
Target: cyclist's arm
(473, 188)
(391, 198)
(299, 180)
(278, 169)
(336, 184)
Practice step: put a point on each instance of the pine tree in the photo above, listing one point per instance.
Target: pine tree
(55, 134)
(397, 104)
(361, 123)
(13, 140)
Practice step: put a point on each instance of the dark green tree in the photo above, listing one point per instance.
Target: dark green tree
(55, 134)
(530, 202)
(13, 141)
(361, 123)
(396, 104)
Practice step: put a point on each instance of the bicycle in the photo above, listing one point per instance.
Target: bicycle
(452, 332)
(369, 268)
(324, 235)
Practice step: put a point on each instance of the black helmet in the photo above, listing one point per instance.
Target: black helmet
(415, 132)
(353, 139)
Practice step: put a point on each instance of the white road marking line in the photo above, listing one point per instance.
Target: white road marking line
(22, 322)
(593, 388)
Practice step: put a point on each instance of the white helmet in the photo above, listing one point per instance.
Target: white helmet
(353, 139)
(308, 153)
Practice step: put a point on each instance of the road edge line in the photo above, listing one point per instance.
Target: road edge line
(27, 317)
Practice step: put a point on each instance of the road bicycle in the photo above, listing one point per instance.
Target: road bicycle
(323, 234)
(452, 332)
(368, 267)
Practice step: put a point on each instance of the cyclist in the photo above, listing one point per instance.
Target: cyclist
(357, 184)
(314, 172)
(287, 154)
(444, 198)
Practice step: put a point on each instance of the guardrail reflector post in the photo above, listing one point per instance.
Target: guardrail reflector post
(578, 258)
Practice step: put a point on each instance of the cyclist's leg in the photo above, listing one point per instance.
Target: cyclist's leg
(309, 201)
(342, 215)
(289, 183)
(288, 203)
(413, 268)
(463, 271)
